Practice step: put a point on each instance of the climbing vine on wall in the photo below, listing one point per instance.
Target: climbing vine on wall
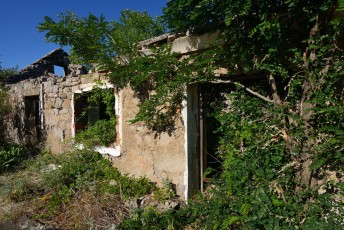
(282, 148)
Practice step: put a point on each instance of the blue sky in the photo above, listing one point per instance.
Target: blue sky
(21, 43)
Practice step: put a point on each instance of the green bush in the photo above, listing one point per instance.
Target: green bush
(10, 155)
(84, 170)
(150, 218)
(52, 181)
(102, 132)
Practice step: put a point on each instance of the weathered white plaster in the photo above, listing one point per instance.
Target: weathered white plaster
(41, 103)
(116, 151)
(73, 118)
(186, 171)
(193, 43)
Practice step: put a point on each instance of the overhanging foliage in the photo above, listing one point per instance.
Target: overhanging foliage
(282, 140)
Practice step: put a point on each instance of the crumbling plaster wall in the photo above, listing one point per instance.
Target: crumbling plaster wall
(139, 151)
(146, 153)
(142, 151)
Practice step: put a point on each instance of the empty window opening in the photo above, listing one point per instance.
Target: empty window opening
(94, 117)
(32, 120)
(59, 71)
(80, 112)
(88, 112)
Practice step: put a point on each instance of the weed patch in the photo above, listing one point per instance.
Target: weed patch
(10, 155)
(75, 190)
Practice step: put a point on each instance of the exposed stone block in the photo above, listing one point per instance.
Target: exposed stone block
(58, 103)
(55, 88)
(75, 88)
(60, 79)
(66, 103)
(75, 79)
(50, 103)
(84, 80)
(79, 71)
(63, 95)
(48, 89)
(68, 81)
(52, 95)
(75, 83)
(64, 110)
(66, 89)
(61, 85)
(56, 112)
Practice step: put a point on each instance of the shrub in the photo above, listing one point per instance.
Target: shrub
(102, 132)
(52, 183)
(83, 171)
(10, 155)
(150, 218)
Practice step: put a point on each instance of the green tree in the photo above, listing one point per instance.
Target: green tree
(4, 106)
(282, 137)
(4, 73)
(96, 40)
(276, 158)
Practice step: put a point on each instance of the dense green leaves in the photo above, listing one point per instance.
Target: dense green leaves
(103, 131)
(95, 40)
(4, 105)
(10, 155)
(282, 138)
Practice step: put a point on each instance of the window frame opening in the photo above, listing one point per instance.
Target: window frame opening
(32, 120)
(95, 114)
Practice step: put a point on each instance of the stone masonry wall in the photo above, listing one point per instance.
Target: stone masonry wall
(15, 130)
(55, 105)
(142, 151)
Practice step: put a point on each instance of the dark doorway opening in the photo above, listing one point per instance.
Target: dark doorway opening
(32, 119)
(212, 99)
(203, 103)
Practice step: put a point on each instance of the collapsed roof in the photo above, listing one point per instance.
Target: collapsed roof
(57, 57)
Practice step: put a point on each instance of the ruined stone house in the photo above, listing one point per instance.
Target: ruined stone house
(45, 110)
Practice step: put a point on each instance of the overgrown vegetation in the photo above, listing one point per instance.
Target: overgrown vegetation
(4, 107)
(282, 148)
(10, 154)
(103, 131)
(74, 190)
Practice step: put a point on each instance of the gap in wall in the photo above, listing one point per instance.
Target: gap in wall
(59, 71)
